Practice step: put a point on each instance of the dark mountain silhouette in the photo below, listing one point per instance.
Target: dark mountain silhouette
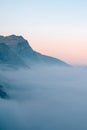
(16, 51)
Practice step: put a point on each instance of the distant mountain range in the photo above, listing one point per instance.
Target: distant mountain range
(16, 51)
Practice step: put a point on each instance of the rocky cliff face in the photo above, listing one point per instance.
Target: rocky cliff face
(15, 50)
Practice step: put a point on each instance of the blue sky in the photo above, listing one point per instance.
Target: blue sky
(62, 25)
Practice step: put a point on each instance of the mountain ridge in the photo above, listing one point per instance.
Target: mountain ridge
(16, 50)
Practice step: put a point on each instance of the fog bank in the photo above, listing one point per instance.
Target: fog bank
(45, 98)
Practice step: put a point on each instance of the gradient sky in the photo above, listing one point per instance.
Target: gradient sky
(53, 27)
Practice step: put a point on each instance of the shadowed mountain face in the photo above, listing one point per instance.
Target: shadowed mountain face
(15, 50)
(7, 56)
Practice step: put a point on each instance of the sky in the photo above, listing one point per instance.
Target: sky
(53, 27)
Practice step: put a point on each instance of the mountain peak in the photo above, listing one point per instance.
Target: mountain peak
(16, 50)
(12, 39)
(15, 37)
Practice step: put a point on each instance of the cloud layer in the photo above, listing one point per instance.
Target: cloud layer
(45, 99)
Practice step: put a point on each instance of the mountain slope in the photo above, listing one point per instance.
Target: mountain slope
(7, 56)
(15, 50)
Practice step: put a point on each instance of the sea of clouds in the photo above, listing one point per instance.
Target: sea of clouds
(44, 98)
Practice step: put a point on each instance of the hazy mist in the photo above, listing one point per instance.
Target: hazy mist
(45, 98)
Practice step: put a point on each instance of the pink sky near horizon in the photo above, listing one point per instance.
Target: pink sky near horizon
(70, 49)
(70, 54)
